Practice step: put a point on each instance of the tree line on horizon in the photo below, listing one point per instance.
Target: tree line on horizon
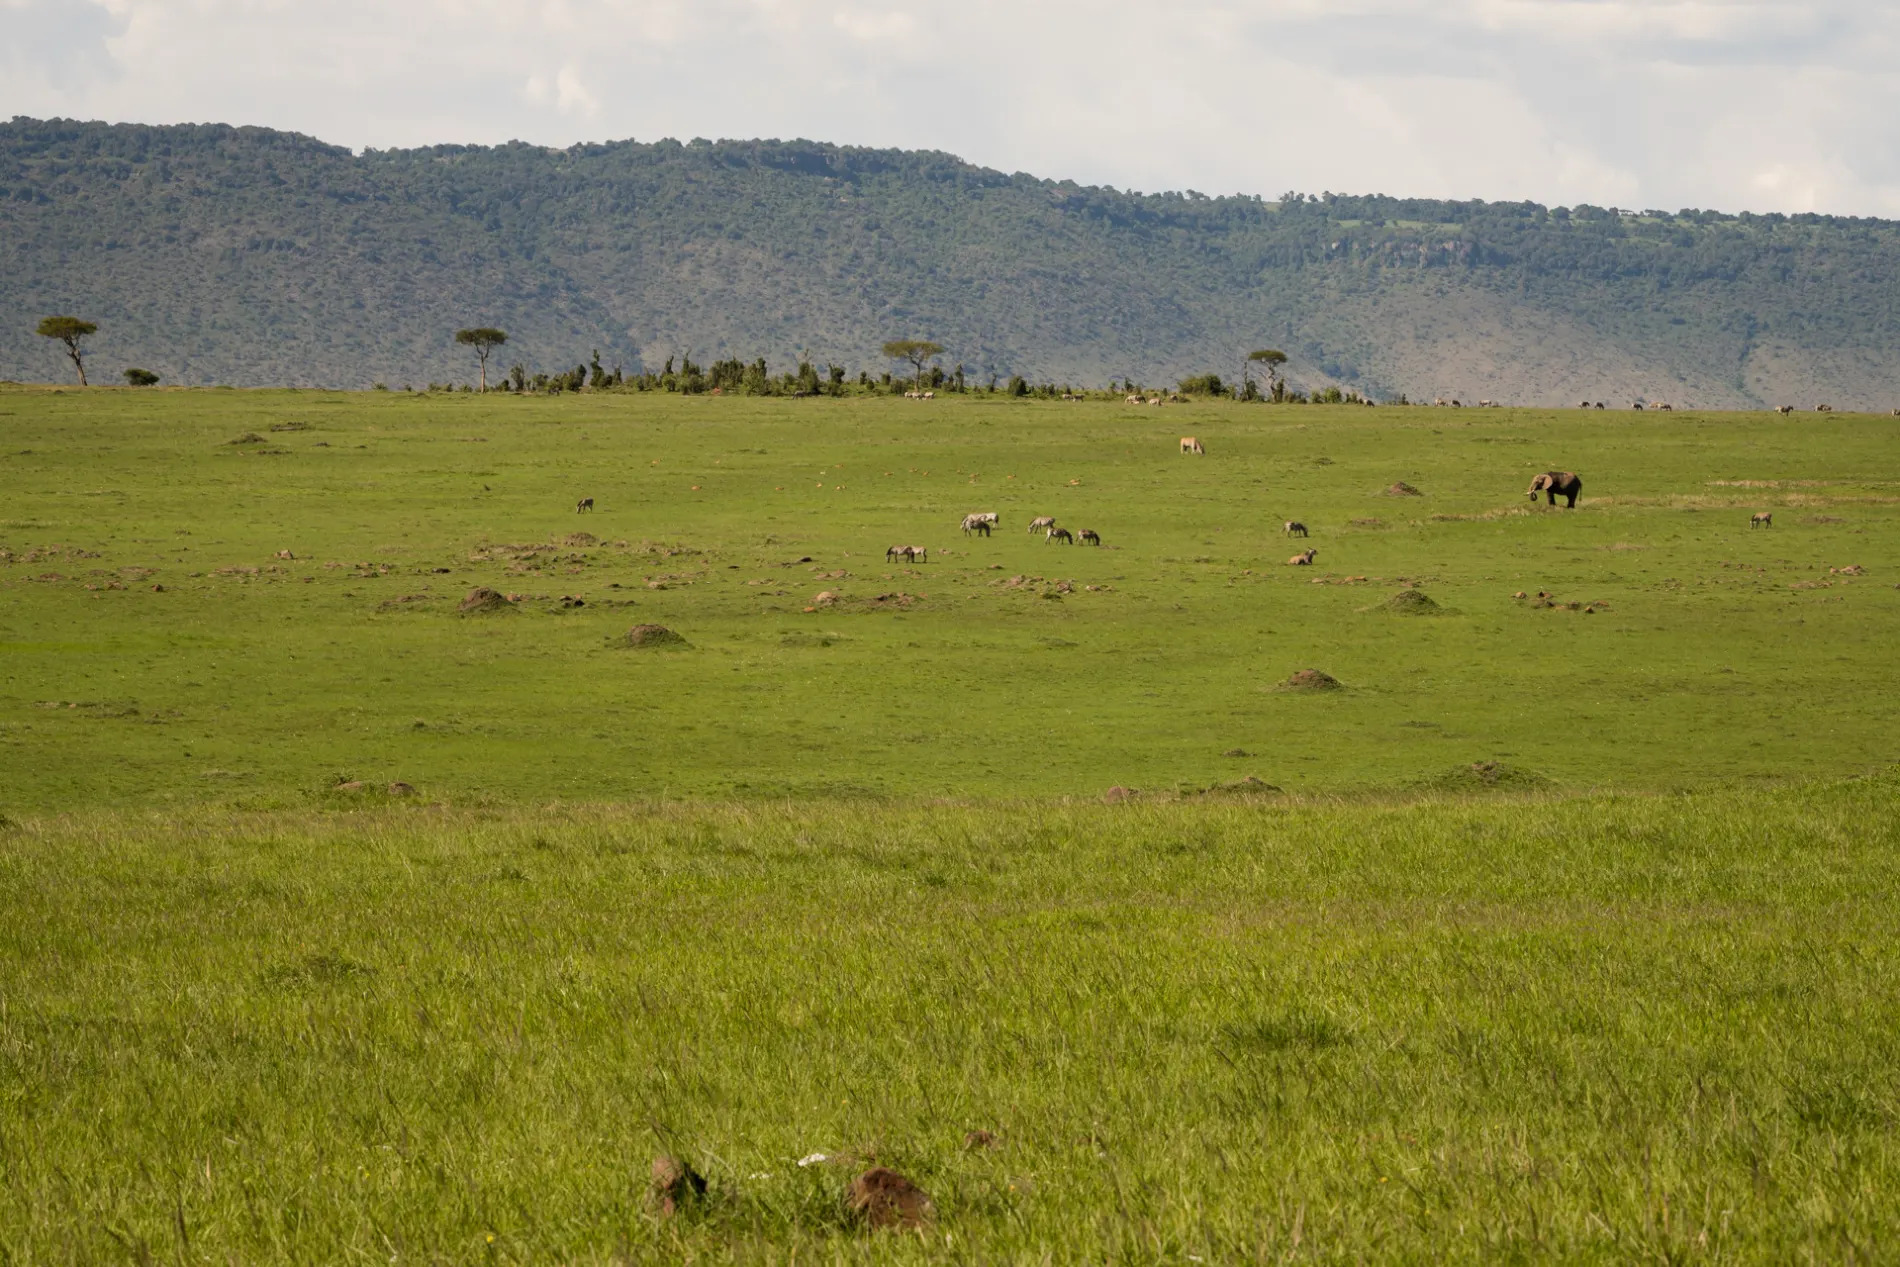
(733, 376)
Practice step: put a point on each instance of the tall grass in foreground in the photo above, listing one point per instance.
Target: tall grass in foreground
(1611, 1028)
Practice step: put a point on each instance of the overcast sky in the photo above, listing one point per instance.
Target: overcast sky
(1757, 106)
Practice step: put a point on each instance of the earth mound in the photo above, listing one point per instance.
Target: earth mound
(483, 599)
(1311, 680)
(653, 636)
(881, 1197)
(1411, 603)
(1487, 776)
(1402, 489)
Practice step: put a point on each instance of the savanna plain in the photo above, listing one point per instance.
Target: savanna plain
(342, 924)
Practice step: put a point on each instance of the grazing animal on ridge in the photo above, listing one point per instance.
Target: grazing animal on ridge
(1294, 528)
(585, 503)
(1060, 534)
(1041, 523)
(1762, 519)
(1090, 537)
(1556, 484)
(1784, 410)
(1303, 559)
(1190, 445)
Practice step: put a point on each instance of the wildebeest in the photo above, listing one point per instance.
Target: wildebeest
(1041, 523)
(1061, 534)
(585, 503)
(1762, 519)
(1303, 559)
(1190, 445)
(1784, 410)
(1294, 528)
(1556, 484)
(897, 552)
(1090, 537)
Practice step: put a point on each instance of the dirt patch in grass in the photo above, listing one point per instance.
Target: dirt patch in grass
(1402, 489)
(1311, 680)
(653, 636)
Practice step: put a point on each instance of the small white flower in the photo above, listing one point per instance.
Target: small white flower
(813, 1160)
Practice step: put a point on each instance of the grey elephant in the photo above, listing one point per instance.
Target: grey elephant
(1555, 484)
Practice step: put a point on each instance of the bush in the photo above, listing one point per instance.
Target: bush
(140, 378)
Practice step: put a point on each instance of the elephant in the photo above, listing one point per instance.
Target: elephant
(1557, 483)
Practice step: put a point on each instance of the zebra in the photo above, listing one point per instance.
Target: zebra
(1061, 534)
(1303, 559)
(1762, 519)
(1294, 528)
(1041, 523)
(898, 552)
(1090, 537)
(585, 503)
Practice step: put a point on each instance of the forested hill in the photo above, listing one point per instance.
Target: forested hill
(215, 254)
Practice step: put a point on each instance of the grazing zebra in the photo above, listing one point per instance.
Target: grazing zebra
(1666, 408)
(1583, 404)
(585, 503)
(1762, 519)
(1294, 528)
(1090, 537)
(1041, 523)
(1784, 410)
(1190, 445)
(919, 554)
(1131, 400)
(1061, 534)
(1637, 405)
(897, 552)
(978, 523)
(1303, 559)
(1824, 409)
(1599, 404)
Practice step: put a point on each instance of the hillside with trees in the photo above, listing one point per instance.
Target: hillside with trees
(215, 254)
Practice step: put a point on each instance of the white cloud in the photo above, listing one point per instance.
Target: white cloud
(1763, 104)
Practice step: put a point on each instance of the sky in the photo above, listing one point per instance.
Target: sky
(1732, 106)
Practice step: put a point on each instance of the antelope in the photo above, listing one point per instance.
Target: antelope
(1294, 528)
(1190, 445)
(585, 503)
(1303, 559)
(1090, 537)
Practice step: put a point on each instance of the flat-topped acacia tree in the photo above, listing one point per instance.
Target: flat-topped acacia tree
(70, 331)
(918, 352)
(484, 339)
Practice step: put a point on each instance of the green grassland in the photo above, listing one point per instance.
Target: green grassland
(839, 880)
(1610, 1028)
(1722, 653)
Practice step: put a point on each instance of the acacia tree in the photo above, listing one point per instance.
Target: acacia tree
(484, 339)
(70, 330)
(918, 352)
(1271, 359)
